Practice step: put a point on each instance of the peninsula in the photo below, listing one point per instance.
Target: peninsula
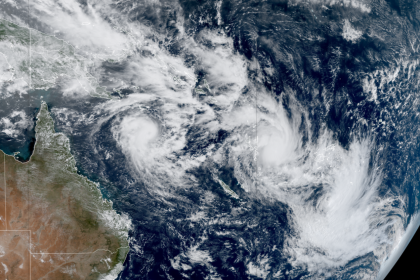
(54, 223)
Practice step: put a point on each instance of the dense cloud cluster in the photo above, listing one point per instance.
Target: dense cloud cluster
(302, 109)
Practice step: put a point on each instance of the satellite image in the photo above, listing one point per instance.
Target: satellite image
(208, 139)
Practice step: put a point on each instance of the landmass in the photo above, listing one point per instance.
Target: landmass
(54, 223)
(41, 60)
(228, 190)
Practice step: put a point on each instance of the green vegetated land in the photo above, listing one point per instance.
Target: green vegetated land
(42, 60)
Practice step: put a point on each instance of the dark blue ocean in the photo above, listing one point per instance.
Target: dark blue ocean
(301, 57)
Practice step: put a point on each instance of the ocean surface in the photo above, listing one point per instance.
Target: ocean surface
(307, 110)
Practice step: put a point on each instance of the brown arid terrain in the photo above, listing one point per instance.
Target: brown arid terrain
(54, 223)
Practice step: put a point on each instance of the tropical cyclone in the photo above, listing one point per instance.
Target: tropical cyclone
(54, 223)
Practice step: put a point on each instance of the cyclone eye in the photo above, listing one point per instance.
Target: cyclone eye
(137, 133)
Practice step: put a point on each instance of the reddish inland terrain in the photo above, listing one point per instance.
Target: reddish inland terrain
(54, 223)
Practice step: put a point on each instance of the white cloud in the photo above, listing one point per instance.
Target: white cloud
(362, 5)
(349, 33)
(331, 190)
(14, 124)
(402, 241)
(68, 17)
(6, 70)
(137, 133)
